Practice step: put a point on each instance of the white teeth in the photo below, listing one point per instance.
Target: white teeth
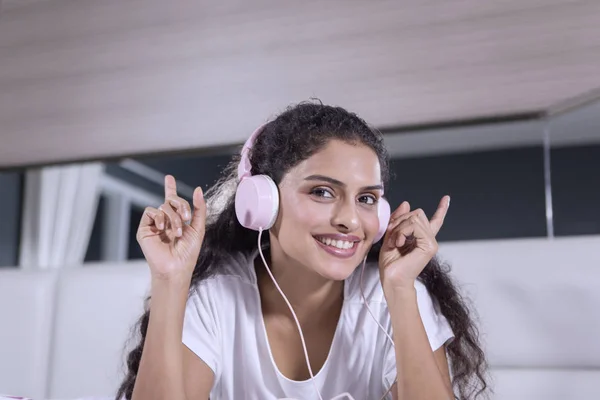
(340, 244)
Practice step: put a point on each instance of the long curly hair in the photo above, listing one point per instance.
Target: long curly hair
(295, 135)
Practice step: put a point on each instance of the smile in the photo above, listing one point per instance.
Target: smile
(338, 248)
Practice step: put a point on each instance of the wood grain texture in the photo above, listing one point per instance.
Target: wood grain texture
(91, 79)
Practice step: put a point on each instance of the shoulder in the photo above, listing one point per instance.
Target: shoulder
(367, 282)
(364, 282)
(231, 267)
(233, 278)
(436, 325)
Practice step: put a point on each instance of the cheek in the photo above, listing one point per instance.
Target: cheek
(301, 214)
(370, 222)
(296, 221)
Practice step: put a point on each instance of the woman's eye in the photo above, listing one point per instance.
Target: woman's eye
(368, 199)
(320, 192)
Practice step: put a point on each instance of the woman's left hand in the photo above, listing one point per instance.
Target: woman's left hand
(409, 244)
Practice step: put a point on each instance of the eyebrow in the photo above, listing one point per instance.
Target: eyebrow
(335, 182)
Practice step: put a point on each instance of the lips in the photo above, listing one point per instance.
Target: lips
(341, 246)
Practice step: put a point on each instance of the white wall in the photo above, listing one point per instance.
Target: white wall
(538, 298)
(538, 302)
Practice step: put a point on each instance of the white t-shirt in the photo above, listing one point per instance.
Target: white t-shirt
(224, 326)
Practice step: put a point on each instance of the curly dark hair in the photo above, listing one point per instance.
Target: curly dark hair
(295, 135)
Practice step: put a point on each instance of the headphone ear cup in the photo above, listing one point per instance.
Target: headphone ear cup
(257, 202)
(383, 212)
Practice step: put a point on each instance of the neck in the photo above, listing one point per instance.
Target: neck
(312, 297)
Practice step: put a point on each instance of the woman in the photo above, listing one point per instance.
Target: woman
(301, 318)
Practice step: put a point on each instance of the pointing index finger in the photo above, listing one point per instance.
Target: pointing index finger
(170, 186)
(437, 220)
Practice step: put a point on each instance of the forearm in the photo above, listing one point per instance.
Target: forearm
(418, 374)
(160, 373)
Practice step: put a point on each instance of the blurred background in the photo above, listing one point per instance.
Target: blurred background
(495, 103)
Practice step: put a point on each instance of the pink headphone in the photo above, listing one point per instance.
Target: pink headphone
(257, 197)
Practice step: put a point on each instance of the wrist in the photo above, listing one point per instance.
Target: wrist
(400, 294)
(402, 286)
(172, 281)
(169, 295)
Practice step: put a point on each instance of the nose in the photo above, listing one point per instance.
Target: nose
(345, 216)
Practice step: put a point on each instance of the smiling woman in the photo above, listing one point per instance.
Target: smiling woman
(278, 306)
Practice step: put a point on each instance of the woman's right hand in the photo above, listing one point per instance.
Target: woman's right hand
(170, 246)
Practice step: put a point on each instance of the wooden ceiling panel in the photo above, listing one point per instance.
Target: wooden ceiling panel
(86, 80)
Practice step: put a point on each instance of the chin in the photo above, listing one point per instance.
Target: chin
(333, 267)
(335, 274)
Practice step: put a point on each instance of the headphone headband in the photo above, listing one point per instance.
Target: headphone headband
(244, 167)
(257, 197)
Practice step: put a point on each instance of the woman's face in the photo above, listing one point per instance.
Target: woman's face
(328, 209)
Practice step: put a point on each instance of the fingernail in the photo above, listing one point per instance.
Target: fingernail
(448, 201)
(186, 215)
(179, 232)
(161, 226)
